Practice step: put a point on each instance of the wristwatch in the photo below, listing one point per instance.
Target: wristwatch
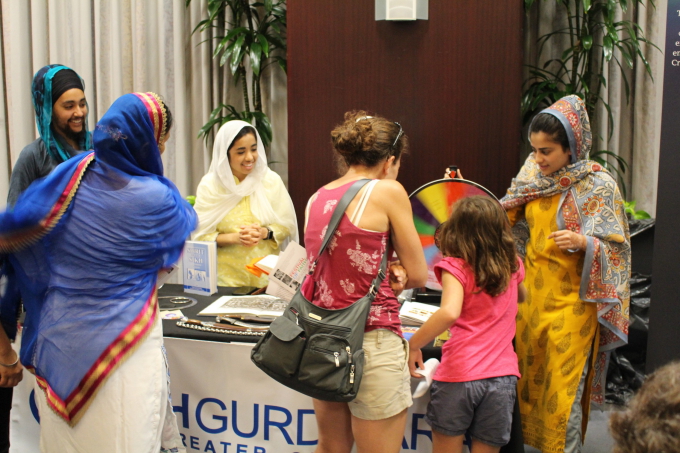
(270, 234)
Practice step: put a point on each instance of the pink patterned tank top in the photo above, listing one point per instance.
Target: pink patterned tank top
(348, 265)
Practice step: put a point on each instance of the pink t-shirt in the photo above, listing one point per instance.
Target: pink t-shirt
(480, 346)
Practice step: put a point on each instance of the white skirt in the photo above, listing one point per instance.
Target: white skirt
(131, 413)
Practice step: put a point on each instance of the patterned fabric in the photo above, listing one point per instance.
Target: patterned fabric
(555, 332)
(480, 346)
(586, 200)
(86, 245)
(42, 103)
(348, 265)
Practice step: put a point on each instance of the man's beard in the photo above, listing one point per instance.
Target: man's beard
(69, 134)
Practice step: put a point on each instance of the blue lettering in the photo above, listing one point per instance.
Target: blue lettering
(260, 450)
(223, 419)
(415, 431)
(301, 414)
(209, 445)
(280, 425)
(226, 446)
(240, 448)
(184, 439)
(184, 410)
(194, 442)
(404, 445)
(234, 423)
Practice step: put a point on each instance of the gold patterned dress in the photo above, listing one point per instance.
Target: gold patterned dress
(556, 331)
(577, 308)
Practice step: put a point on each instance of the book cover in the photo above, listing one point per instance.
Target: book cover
(199, 262)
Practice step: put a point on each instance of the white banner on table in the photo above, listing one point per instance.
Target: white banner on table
(224, 404)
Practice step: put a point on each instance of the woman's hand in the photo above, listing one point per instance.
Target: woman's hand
(398, 277)
(10, 376)
(456, 174)
(568, 240)
(415, 360)
(250, 235)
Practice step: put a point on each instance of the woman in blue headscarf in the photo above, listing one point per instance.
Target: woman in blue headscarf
(85, 245)
(61, 117)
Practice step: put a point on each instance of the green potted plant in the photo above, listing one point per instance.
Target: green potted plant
(253, 38)
(594, 37)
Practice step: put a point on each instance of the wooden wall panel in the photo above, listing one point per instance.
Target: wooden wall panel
(453, 82)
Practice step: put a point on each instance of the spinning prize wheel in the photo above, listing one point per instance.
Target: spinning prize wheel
(431, 206)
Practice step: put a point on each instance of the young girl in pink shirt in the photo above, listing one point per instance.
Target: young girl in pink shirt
(474, 388)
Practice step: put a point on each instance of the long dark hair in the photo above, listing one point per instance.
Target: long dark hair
(478, 232)
(545, 122)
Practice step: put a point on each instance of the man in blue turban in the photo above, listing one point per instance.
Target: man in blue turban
(61, 116)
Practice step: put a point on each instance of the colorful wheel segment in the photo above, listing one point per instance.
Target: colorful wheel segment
(431, 206)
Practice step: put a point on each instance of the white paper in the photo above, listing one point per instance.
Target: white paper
(268, 263)
(416, 313)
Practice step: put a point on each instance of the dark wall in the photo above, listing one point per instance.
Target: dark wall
(453, 82)
(664, 312)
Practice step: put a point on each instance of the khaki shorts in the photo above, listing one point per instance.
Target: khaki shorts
(385, 388)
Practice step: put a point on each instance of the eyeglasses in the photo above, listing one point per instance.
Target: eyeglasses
(401, 132)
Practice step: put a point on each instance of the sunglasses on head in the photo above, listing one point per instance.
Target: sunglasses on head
(401, 130)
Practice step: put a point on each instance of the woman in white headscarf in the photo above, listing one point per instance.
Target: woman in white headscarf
(243, 206)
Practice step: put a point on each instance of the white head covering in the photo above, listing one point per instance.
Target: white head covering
(218, 192)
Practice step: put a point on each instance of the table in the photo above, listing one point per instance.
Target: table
(223, 403)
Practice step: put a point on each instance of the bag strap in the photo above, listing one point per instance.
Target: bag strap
(363, 201)
(333, 225)
(338, 213)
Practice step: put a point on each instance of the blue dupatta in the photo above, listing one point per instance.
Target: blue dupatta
(85, 245)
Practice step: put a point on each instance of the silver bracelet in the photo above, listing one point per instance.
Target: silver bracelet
(11, 364)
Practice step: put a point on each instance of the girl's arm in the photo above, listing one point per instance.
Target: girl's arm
(441, 320)
(521, 292)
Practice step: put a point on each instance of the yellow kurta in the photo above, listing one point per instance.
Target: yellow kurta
(555, 332)
(232, 259)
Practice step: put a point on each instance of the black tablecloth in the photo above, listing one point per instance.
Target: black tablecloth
(171, 329)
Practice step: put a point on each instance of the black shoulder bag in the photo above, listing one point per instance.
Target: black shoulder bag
(317, 351)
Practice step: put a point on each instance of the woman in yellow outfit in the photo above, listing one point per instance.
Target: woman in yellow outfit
(570, 225)
(243, 206)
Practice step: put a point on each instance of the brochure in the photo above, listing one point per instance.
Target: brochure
(291, 268)
(199, 262)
